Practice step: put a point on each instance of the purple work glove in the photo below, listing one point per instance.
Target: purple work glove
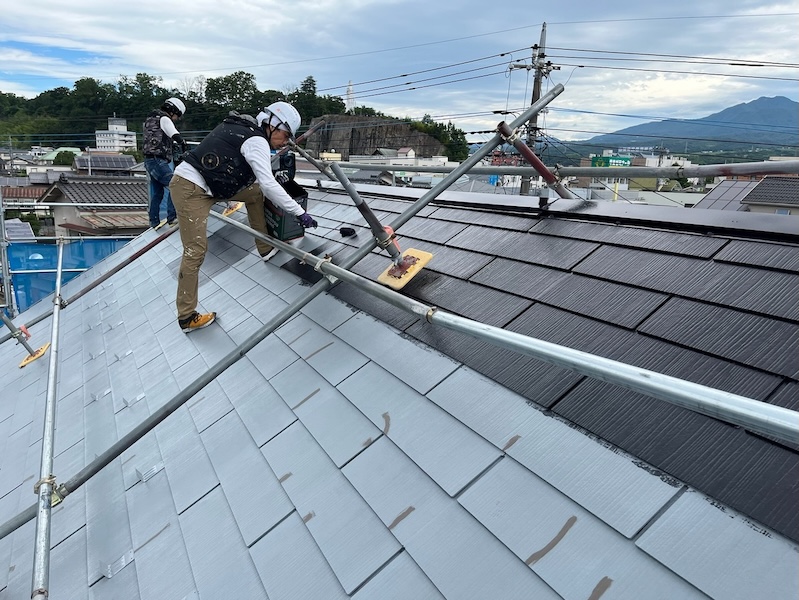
(307, 220)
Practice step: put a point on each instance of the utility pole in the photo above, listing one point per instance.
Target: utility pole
(532, 124)
(542, 69)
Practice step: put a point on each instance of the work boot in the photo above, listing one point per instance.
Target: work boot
(268, 255)
(196, 321)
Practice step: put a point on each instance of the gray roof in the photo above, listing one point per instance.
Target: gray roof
(773, 190)
(99, 190)
(358, 452)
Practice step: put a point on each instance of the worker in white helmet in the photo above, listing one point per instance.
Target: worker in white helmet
(159, 135)
(236, 154)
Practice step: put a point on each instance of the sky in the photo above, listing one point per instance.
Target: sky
(459, 61)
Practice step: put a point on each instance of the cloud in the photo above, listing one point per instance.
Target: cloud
(455, 55)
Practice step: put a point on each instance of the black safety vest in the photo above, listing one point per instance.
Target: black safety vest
(218, 158)
(156, 142)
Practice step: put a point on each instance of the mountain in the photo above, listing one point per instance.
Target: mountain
(772, 121)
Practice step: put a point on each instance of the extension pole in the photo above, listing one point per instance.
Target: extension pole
(44, 488)
(382, 237)
(16, 333)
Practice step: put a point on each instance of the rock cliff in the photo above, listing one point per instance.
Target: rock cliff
(351, 135)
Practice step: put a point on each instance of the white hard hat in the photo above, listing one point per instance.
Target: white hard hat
(177, 104)
(280, 113)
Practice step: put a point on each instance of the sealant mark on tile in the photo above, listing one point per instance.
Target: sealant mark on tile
(130, 458)
(308, 517)
(298, 337)
(304, 400)
(400, 517)
(600, 588)
(367, 442)
(511, 441)
(315, 352)
(151, 538)
(536, 556)
(286, 476)
(387, 421)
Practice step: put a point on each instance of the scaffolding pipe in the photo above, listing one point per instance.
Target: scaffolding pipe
(512, 137)
(771, 167)
(5, 270)
(90, 286)
(44, 487)
(116, 449)
(382, 237)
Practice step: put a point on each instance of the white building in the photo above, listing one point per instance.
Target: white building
(116, 138)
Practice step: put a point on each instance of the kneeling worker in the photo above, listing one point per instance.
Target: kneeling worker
(234, 155)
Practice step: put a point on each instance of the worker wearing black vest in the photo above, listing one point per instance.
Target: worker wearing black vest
(236, 154)
(159, 134)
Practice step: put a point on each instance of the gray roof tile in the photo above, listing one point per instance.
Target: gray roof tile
(418, 366)
(242, 471)
(685, 539)
(220, 560)
(400, 579)
(328, 355)
(450, 453)
(594, 476)
(352, 539)
(552, 534)
(107, 528)
(190, 473)
(291, 565)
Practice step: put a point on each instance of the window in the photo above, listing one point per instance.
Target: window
(783, 211)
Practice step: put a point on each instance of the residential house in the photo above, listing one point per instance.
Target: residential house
(98, 205)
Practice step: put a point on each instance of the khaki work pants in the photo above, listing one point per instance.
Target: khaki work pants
(192, 205)
(253, 200)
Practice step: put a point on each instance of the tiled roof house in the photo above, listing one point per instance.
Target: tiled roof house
(361, 452)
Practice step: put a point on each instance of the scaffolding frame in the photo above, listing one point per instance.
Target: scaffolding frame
(775, 421)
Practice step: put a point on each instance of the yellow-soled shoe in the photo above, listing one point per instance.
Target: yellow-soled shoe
(196, 321)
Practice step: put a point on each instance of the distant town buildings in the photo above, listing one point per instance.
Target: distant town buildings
(116, 138)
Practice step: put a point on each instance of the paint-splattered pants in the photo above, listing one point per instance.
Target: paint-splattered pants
(253, 200)
(192, 205)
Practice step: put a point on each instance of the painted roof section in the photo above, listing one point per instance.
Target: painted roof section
(360, 453)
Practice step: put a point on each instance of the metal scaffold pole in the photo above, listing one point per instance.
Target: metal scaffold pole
(44, 487)
(8, 296)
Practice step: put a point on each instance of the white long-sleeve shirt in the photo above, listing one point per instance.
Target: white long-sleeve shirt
(257, 153)
(168, 126)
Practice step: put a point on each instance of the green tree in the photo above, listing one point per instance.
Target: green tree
(236, 91)
(64, 158)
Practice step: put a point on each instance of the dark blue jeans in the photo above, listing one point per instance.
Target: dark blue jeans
(160, 172)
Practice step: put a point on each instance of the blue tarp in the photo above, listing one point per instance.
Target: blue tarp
(29, 288)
